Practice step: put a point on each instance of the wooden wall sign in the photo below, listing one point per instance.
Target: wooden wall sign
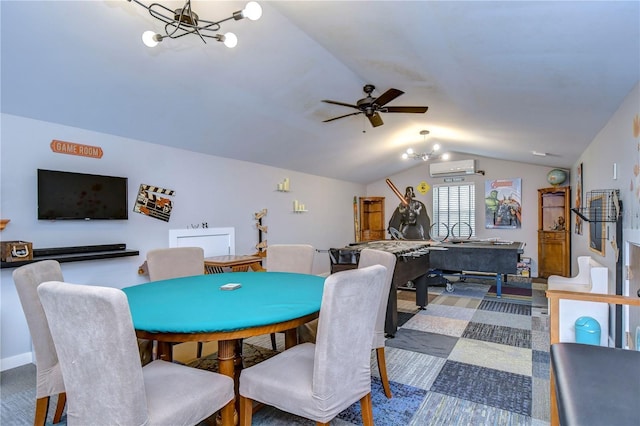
(71, 148)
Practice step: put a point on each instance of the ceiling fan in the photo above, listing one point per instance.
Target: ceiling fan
(371, 106)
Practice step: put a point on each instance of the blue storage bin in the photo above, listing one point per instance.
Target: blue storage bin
(587, 331)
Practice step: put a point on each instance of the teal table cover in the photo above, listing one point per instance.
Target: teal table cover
(197, 304)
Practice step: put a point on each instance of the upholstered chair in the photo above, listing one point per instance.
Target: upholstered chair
(290, 258)
(93, 333)
(296, 258)
(176, 262)
(368, 257)
(49, 381)
(318, 381)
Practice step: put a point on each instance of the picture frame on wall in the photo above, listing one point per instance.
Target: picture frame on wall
(579, 198)
(597, 228)
(503, 203)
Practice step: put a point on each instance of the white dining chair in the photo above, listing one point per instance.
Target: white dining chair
(368, 257)
(324, 378)
(176, 262)
(95, 340)
(297, 258)
(49, 381)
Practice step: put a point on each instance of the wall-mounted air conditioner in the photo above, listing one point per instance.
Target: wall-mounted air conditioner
(452, 168)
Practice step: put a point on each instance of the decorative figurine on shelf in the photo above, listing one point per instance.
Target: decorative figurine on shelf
(559, 225)
(262, 244)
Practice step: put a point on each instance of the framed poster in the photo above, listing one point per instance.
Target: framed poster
(597, 229)
(503, 208)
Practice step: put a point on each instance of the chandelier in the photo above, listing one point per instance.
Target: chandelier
(424, 156)
(184, 21)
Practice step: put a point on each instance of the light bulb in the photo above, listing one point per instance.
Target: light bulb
(405, 156)
(151, 39)
(436, 147)
(410, 151)
(445, 156)
(252, 11)
(230, 40)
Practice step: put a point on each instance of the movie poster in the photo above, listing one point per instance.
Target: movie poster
(503, 204)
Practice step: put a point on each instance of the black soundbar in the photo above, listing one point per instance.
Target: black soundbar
(56, 251)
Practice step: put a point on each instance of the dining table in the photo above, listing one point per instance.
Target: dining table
(199, 309)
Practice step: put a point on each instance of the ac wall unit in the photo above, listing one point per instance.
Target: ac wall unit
(452, 168)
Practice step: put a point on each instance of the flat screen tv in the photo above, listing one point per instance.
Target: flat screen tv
(80, 196)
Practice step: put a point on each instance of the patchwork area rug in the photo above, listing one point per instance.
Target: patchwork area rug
(469, 358)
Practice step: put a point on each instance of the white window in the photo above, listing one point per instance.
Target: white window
(454, 211)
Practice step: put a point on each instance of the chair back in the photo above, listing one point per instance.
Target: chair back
(175, 262)
(342, 367)
(290, 258)
(96, 344)
(27, 278)
(370, 257)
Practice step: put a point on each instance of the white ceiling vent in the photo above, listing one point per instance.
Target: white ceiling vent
(452, 168)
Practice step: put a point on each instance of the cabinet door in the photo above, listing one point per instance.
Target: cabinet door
(372, 224)
(552, 254)
(554, 236)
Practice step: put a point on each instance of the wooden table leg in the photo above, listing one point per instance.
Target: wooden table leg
(165, 351)
(227, 361)
(290, 338)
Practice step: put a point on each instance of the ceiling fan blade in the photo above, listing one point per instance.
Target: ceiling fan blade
(342, 116)
(414, 109)
(388, 96)
(375, 120)
(340, 103)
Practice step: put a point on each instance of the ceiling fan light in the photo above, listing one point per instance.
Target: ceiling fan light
(409, 151)
(436, 147)
(405, 156)
(445, 156)
(151, 39)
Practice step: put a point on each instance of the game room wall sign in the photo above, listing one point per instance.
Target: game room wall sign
(72, 148)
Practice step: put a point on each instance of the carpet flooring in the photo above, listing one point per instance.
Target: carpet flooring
(469, 358)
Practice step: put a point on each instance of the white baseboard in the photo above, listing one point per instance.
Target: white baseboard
(16, 361)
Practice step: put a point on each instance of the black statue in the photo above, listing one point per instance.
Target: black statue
(410, 220)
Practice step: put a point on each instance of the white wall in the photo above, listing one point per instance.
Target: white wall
(615, 143)
(533, 178)
(210, 189)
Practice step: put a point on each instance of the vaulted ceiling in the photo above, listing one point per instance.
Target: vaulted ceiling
(501, 79)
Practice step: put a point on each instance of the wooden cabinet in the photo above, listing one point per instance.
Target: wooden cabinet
(554, 231)
(372, 224)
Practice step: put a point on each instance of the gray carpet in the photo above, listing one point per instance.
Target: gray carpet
(469, 358)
